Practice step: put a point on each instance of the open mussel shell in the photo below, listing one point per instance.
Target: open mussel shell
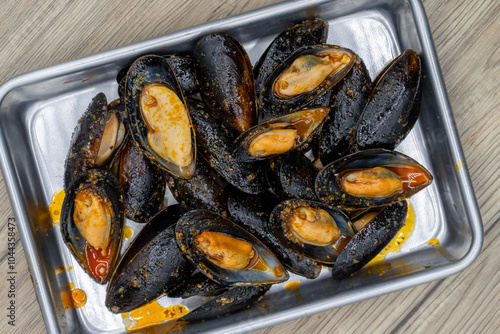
(225, 77)
(369, 178)
(92, 219)
(292, 175)
(306, 74)
(225, 252)
(309, 228)
(279, 135)
(394, 104)
(159, 119)
(215, 141)
(235, 299)
(252, 212)
(309, 32)
(348, 100)
(152, 265)
(143, 183)
(370, 240)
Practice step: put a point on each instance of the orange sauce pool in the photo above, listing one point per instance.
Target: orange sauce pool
(152, 314)
(397, 242)
(292, 285)
(56, 206)
(98, 263)
(127, 232)
(73, 298)
(433, 242)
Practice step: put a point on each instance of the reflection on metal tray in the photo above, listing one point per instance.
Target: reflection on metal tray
(376, 30)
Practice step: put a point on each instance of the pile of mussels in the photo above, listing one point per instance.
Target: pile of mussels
(229, 141)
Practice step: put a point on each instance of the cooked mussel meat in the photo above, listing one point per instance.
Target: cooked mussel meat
(394, 104)
(152, 265)
(370, 178)
(225, 252)
(310, 228)
(370, 240)
(92, 219)
(279, 135)
(159, 119)
(306, 74)
(225, 76)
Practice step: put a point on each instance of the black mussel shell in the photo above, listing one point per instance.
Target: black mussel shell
(184, 69)
(225, 77)
(196, 285)
(215, 141)
(202, 226)
(413, 178)
(252, 212)
(394, 104)
(143, 182)
(309, 32)
(282, 93)
(152, 265)
(325, 252)
(180, 160)
(279, 135)
(292, 175)
(86, 139)
(370, 240)
(233, 300)
(349, 97)
(105, 187)
(205, 190)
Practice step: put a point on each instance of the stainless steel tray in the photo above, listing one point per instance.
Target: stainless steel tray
(39, 110)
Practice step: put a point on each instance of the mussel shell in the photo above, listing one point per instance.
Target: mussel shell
(144, 71)
(252, 212)
(195, 285)
(313, 118)
(324, 254)
(152, 265)
(196, 222)
(225, 76)
(348, 100)
(370, 240)
(272, 105)
(205, 190)
(292, 175)
(394, 104)
(215, 141)
(235, 299)
(107, 186)
(309, 32)
(143, 182)
(184, 69)
(86, 139)
(328, 189)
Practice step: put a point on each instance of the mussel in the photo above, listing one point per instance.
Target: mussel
(279, 135)
(158, 115)
(92, 219)
(152, 265)
(195, 285)
(370, 240)
(225, 252)
(306, 74)
(394, 104)
(309, 228)
(225, 76)
(370, 178)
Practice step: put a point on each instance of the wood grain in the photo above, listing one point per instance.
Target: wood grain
(37, 34)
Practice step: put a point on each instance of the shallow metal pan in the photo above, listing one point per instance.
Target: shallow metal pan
(31, 104)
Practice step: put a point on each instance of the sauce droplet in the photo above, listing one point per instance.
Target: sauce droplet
(152, 314)
(127, 232)
(56, 206)
(433, 242)
(73, 298)
(292, 285)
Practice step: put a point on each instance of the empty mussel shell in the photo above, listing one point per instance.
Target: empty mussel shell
(309, 228)
(92, 219)
(370, 178)
(306, 74)
(225, 252)
(159, 119)
(370, 240)
(152, 265)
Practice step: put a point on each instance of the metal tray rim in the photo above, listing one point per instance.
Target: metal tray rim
(344, 298)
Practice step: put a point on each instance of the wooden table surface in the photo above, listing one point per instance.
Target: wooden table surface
(37, 34)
